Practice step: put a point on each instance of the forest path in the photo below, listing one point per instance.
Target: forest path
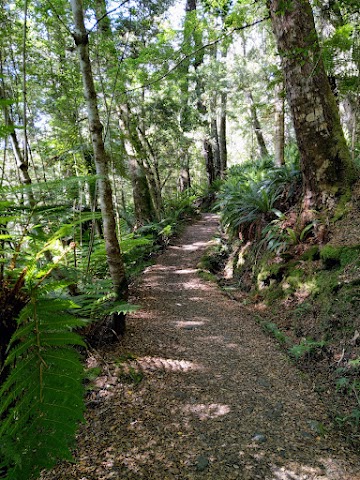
(210, 396)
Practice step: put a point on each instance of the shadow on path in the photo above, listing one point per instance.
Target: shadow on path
(215, 398)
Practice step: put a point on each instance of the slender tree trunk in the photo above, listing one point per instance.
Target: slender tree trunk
(222, 134)
(279, 125)
(256, 125)
(209, 161)
(184, 180)
(214, 135)
(152, 170)
(113, 254)
(144, 193)
(325, 159)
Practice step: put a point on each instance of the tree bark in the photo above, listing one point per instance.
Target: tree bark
(113, 254)
(279, 130)
(256, 125)
(222, 134)
(325, 159)
(209, 161)
(141, 194)
(214, 135)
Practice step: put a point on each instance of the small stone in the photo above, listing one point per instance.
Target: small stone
(306, 435)
(201, 463)
(259, 438)
(264, 382)
(180, 395)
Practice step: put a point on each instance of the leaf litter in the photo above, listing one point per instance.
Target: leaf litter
(196, 390)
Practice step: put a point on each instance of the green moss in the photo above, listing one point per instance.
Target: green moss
(207, 276)
(330, 256)
(327, 283)
(342, 206)
(339, 256)
(268, 271)
(311, 254)
(350, 255)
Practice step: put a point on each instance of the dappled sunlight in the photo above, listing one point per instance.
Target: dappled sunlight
(195, 285)
(189, 323)
(185, 271)
(329, 470)
(160, 268)
(144, 315)
(213, 339)
(190, 247)
(207, 411)
(168, 364)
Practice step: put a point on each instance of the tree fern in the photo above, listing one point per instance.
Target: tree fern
(41, 400)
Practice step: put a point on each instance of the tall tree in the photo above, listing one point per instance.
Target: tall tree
(279, 122)
(325, 159)
(114, 257)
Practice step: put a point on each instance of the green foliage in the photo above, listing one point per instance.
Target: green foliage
(250, 194)
(273, 329)
(330, 255)
(131, 375)
(307, 347)
(42, 397)
(96, 302)
(243, 203)
(180, 207)
(348, 384)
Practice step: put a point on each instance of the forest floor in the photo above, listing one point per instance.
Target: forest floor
(196, 390)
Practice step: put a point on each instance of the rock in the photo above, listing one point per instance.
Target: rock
(202, 463)
(180, 395)
(259, 438)
(275, 412)
(264, 382)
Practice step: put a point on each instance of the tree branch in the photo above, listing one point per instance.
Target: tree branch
(197, 50)
(106, 14)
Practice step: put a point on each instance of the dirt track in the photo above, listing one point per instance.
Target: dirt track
(208, 394)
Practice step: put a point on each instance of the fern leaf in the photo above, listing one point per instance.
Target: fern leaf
(41, 401)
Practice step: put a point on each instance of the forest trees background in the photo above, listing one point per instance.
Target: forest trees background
(116, 115)
(175, 95)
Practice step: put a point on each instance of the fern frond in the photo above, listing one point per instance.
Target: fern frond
(41, 401)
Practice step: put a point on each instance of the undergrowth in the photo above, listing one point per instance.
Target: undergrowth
(309, 290)
(54, 286)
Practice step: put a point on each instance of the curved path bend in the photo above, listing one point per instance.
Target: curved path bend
(204, 394)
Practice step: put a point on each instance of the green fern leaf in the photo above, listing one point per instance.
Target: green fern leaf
(41, 401)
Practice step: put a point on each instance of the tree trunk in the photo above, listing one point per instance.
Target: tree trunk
(184, 180)
(214, 134)
(152, 170)
(146, 193)
(256, 125)
(141, 194)
(209, 161)
(279, 130)
(222, 134)
(325, 159)
(113, 254)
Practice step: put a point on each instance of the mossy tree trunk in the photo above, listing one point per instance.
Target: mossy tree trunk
(325, 159)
